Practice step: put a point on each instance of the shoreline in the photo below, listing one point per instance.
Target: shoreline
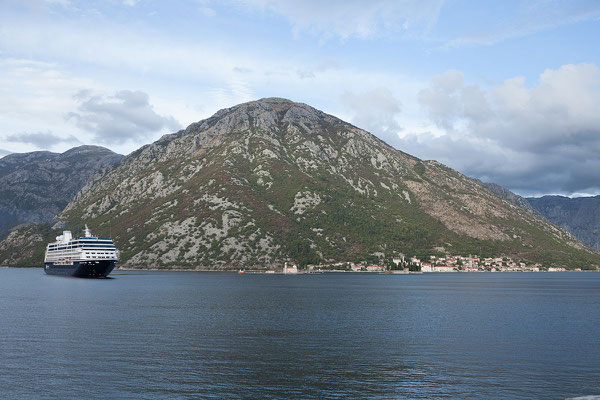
(302, 272)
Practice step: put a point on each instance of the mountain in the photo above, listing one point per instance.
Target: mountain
(511, 197)
(271, 181)
(35, 187)
(580, 215)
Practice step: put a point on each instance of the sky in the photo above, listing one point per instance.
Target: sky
(506, 92)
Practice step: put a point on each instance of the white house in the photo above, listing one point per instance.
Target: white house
(442, 268)
(290, 269)
(426, 267)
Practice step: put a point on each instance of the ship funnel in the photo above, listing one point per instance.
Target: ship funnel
(87, 232)
(66, 236)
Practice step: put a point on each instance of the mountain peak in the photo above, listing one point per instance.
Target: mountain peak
(274, 109)
(269, 114)
(273, 101)
(270, 103)
(88, 149)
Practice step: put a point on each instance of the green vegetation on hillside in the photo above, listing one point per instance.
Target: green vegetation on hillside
(278, 182)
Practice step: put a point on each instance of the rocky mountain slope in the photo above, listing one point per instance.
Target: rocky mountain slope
(580, 216)
(36, 186)
(511, 197)
(272, 181)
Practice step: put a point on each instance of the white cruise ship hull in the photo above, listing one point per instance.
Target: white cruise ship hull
(81, 269)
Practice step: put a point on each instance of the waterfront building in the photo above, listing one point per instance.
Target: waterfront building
(290, 269)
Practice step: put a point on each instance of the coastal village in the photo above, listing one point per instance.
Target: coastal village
(402, 264)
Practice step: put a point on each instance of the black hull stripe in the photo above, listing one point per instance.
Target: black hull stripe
(83, 269)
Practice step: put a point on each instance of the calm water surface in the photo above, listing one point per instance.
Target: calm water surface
(223, 335)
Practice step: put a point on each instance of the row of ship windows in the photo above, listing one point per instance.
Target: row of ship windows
(95, 242)
(57, 254)
(86, 241)
(78, 243)
(108, 253)
(101, 253)
(67, 254)
(87, 253)
(81, 246)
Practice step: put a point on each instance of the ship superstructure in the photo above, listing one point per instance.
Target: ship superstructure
(84, 256)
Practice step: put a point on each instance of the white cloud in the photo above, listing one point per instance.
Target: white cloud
(116, 47)
(63, 3)
(125, 116)
(43, 140)
(450, 102)
(353, 18)
(189, 79)
(375, 111)
(539, 139)
(525, 18)
(34, 97)
(325, 64)
(191, 90)
(38, 96)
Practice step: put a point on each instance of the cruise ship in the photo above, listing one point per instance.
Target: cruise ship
(86, 256)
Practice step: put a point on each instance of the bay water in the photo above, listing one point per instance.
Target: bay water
(184, 335)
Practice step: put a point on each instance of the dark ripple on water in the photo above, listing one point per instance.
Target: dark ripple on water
(325, 336)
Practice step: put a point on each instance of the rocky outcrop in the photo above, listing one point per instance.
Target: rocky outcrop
(36, 186)
(274, 181)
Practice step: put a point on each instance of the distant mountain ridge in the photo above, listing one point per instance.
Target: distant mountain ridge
(274, 181)
(511, 197)
(580, 215)
(36, 186)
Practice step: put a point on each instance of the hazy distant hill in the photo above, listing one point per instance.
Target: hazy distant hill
(36, 186)
(580, 215)
(271, 181)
